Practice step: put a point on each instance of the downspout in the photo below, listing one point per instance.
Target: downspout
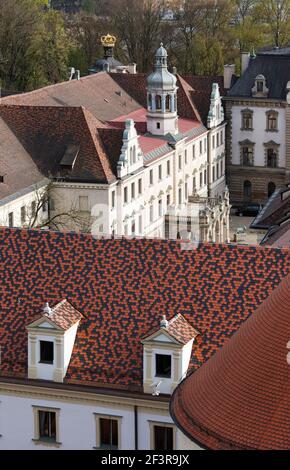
(136, 426)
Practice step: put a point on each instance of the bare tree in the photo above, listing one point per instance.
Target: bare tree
(42, 213)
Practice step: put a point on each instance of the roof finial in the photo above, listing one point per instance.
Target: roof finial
(161, 44)
(47, 310)
(164, 322)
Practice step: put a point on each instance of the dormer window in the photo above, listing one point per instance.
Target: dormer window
(167, 352)
(260, 89)
(46, 352)
(51, 340)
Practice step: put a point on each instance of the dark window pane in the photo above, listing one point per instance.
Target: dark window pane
(47, 425)
(163, 438)
(163, 365)
(108, 433)
(46, 352)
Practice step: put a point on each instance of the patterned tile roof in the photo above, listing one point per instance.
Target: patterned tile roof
(123, 287)
(178, 328)
(239, 399)
(63, 314)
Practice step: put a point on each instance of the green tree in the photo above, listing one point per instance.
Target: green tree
(274, 16)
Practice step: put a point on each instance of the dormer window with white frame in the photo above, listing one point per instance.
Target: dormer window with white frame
(51, 340)
(260, 89)
(166, 354)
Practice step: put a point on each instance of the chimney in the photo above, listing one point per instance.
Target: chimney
(132, 68)
(245, 58)
(174, 70)
(229, 71)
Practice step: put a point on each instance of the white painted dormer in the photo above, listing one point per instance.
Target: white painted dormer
(131, 158)
(166, 355)
(51, 340)
(216, 111)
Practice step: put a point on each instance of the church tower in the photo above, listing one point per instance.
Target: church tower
(161, 97)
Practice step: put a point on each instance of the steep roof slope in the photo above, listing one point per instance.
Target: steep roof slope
(240, 398)
(16, 165)
(98, 93)
(46, 132)
(123, 287)
(274, 67)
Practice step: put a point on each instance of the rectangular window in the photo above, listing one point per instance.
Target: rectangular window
(222, 137)
(108, 429)
(140, 225)
(158, 125)
(168, 200)
(160, 207)
(205, 145)
(217, 171)
(11, 219)
(140, 186)
(193, 183)
(213, 141)
(160, 172)
(185, 190)
(108, 433)
(113, 199)
(179, 162)
(125, 195)
(272, 119)
(193, 152)
(47, 425)
(84, 203)
(151, 177)
(51, 204)
(133, 227)
(217, 139)
(205, 177)
(213, 173)
(46, 352)
(247, 156)
(125, 229)
(133, 190)
(163, 365)
(200, 147)
(185, 156)
(200, 179)
(163, 437)
(23, 214)
(168, 167)
(247, 120)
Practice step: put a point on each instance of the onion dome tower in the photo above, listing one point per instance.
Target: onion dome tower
(161, 97)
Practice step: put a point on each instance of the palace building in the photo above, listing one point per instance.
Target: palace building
(122, 150)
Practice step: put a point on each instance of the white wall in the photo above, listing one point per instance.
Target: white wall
(259, 135)
(77, 423)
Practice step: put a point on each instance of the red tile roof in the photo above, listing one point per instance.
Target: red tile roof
(63, 315)
(123, 287)
(178, 328)
(240, 398)
(45, 132)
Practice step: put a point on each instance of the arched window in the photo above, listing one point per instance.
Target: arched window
(247, 190)
(168, 101)
(271, 188)
(149, 101)
(158, 102)
(134, 154)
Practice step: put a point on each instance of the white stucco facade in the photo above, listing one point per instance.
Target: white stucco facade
(259, 135)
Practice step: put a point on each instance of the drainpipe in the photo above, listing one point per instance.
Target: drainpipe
(136, 426)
